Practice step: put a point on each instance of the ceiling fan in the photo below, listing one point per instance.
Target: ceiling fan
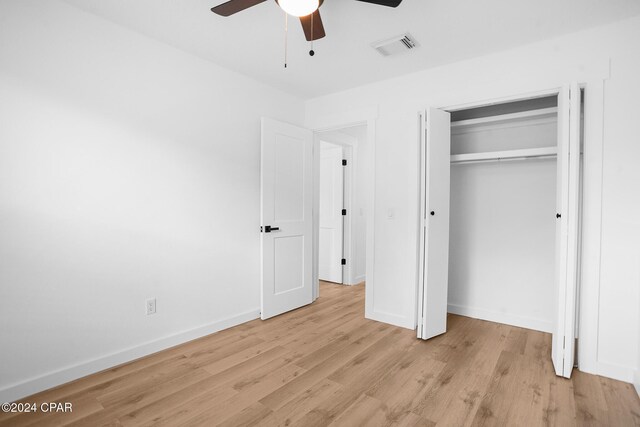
(307, 10)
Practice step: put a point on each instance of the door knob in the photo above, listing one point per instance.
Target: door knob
(558, 215)
(433, 213)
(269, 229)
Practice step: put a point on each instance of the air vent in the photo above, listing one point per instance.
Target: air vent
(395, 45)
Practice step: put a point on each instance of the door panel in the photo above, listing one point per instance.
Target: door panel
(567, 228)
(288, 168)
(434, 265)
(331, 219)
(286, 217)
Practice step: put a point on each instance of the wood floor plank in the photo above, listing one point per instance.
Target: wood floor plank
(204, 406)
(364, 411)
(412, 420)
(243, 356)
(559, 406)
(240, 370)
(401, 386)
(458, 355)
(304, 402)
(317, 373)
(516, 341)
(181, 402)
(325, 364)
(620, 401)
(379, 357)
(516, 392)
(143, 392)
(248, 394)
(318, 349)
(253, 415)
(477, 371)
(591, 404)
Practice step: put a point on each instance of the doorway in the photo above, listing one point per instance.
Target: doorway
(340, 199)
(290, 206)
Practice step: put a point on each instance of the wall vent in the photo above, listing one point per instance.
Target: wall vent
(395, 45)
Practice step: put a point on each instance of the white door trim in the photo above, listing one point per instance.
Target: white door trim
(588, 316)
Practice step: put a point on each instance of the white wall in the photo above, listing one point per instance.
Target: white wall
(128, 170)
(502, 229)
(609, 296)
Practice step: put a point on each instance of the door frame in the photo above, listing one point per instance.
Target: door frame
(350, 148)
(591, 171)
(335, 122)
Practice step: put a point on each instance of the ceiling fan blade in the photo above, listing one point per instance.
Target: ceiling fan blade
(390, 3)
(318, 27)
(234, 6)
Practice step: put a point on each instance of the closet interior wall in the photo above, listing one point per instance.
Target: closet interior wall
(502, 220)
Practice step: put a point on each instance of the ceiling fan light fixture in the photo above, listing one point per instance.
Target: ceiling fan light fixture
(299, 7)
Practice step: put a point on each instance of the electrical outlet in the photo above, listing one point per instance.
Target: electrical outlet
(151, 306)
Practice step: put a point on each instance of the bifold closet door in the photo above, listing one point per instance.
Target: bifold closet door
(435, 138)
(567, 228)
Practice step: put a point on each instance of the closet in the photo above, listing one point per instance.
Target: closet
(502, 213)
(499, 229)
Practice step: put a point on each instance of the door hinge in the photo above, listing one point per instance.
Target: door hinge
(343, 261)
(344, 162)
(344, 212)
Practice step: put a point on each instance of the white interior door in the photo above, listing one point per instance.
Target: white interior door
(567, 228)
(434, 215)
(286, 217)
(331, 219)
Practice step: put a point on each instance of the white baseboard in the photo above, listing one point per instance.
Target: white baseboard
(616, 372)
(506, 318)
(391, 319)
(82, 369)
(636, 381)
(359, 279)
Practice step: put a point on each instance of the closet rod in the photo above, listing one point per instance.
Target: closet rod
(502, 159)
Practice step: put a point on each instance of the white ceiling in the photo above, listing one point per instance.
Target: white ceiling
(252, 42)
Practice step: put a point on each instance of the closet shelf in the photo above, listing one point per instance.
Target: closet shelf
(542, 113)
(526, 153)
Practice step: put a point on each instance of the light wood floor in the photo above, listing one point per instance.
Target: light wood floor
(325, 364)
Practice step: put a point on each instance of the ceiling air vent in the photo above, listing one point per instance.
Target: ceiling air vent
(395, 45)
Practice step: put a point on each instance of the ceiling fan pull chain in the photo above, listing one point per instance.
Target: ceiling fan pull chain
(286, 32)
(311, 52)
